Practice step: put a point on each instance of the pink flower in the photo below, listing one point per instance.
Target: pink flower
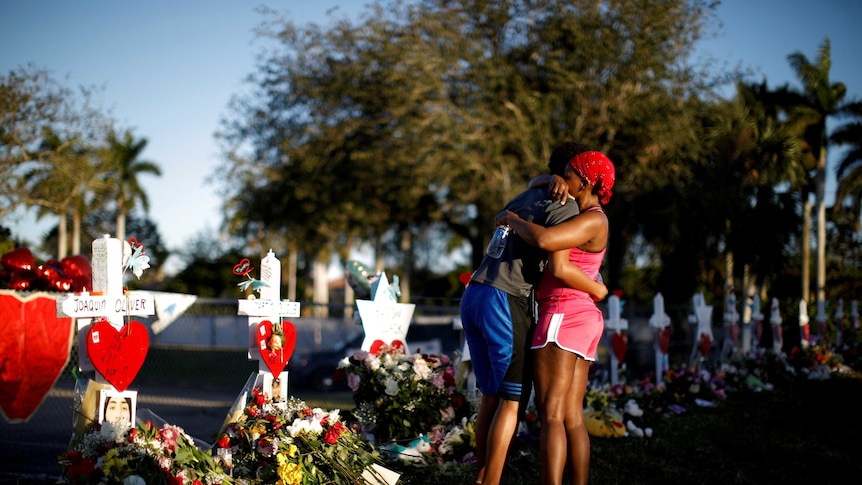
(353, 381)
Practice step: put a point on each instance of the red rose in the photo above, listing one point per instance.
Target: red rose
(224, 442)
(331, 435)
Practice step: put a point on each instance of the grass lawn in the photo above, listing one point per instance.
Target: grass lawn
(809, 434)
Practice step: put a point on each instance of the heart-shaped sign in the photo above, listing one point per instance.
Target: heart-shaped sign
(243, 268)
(377, 344)
(620, 342)
(34, 349)
(275, 348)
(664, 339)
(118, 354)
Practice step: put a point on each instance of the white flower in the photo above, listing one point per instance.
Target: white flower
(114, 431)
(420, 367)
(134, 480)
(392, 387)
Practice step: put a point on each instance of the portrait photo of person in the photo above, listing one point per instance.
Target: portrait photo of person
(276, 387)
(115, 406)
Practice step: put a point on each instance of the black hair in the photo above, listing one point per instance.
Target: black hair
(562, 154)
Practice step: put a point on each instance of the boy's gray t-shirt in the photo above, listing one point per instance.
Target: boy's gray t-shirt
(521, 265)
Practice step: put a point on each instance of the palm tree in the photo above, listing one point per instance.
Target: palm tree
(818, 100)
(122, 156)
(848, 198)
(755, 153)
(62, 185)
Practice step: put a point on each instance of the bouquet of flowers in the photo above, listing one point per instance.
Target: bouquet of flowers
(146, 454)
(400, 396)
(292, 444)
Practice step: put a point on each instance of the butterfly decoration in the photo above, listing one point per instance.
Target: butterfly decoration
(137, 261)
(243, 268)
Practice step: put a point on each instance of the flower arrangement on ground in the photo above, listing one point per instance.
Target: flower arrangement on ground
(292, 444)
(146, 454)
(400, 397)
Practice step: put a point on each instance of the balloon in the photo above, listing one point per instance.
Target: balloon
(22, 280)
(77, 265)
(61, 283)
(49, 271)
(18, 258)
(81, 284)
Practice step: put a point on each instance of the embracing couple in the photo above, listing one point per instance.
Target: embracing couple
(559, 235)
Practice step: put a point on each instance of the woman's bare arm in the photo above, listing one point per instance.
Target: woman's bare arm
(576, 232)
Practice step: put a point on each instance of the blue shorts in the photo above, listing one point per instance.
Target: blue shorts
(497, 327)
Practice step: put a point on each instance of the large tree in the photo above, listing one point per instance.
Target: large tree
(46, 131)
(817, 101)
(442, 110)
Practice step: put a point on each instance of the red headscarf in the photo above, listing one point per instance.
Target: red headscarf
(598, 171)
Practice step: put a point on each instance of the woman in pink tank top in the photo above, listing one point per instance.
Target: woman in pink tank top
(570, 325)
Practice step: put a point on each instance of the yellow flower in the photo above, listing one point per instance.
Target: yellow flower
(113, 465)
(291, 450)
(288, 473)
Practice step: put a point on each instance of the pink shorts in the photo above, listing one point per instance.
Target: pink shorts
(575, 325)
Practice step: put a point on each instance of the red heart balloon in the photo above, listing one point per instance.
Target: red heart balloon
(274, 354)
(118, 354)
(620, 342)
(664, 339)
(22, 279)
(81, 284)
(77, 265)
(19, 258)
(34, 350)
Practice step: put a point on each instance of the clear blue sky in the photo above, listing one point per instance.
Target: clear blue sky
(169, 69)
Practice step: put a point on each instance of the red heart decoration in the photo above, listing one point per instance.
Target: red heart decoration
(620, 342)
(705, 344)
(664, 339)
(19, 258)
(375, 346)
(276, 359)
(22, 279)
(465, 278)
(34, 349)
(242, 268)
(118, 354)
